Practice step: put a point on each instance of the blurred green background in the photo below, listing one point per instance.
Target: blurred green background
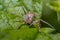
(13, 28)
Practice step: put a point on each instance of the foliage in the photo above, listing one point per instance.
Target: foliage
(12, 26)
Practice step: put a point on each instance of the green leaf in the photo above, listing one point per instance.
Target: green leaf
(45, 34)
(49, 14)
(25, 33)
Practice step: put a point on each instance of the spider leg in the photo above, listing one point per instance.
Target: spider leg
(47, 23)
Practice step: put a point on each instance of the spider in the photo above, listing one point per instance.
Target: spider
(28, 18)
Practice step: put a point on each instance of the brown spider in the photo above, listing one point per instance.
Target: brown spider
(28, 18)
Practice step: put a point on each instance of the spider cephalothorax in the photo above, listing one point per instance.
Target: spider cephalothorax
(29, 17)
